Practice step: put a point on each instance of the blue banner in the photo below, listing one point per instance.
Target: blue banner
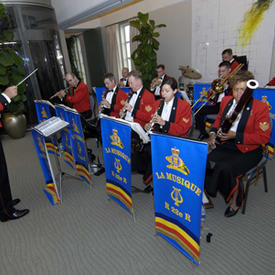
(99, 91)
(200, 93)
(268, 96)
(50, 188)
(65, 136)
(43, 113)
(78, 144)
(116, 140)
(178, 177)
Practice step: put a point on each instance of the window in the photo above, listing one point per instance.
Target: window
(125, 45)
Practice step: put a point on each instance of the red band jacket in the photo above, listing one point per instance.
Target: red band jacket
(80, 98)
(118, 101)
(3, 104)
(254, 126)
(180, 119)
(143, 108)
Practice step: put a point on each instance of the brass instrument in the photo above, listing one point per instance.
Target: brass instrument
(155, 82)
(217, 87)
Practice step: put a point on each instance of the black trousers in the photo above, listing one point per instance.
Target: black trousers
(5, 191)
(225, 165)
(206, 110)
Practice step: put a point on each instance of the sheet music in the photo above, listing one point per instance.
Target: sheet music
(51, 126)
(134, 125)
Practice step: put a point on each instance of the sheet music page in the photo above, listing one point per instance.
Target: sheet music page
(51, 126)
(134, 125)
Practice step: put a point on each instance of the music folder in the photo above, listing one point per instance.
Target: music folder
(134, 125)
(51, 126)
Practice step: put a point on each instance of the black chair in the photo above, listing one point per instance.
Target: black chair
(253, 174)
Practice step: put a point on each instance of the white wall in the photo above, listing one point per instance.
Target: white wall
(176, 38)
(215, 26)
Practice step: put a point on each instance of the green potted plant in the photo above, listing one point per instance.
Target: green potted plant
(145, 55)
(11, 73)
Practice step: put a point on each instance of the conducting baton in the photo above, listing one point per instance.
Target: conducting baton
(26, 77)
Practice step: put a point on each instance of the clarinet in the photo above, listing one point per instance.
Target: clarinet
(151, 122)
(123, 115)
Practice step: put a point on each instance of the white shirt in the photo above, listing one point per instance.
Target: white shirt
(157, 91)
(167, 108)
(132, 102)
(110, 95)
(125, 81)
(6, 97)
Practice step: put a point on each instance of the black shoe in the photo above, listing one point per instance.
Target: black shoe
(13, 202)
(148, 189)
(230, 212)
(203, 136)
(13, 214)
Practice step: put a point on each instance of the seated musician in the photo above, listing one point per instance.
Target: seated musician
(139, 104)
(224, 70)
(227, 55)
(157, 82)
(171, 116)
(123, 82)
(240, 148)
(113, 99)
(78, 96)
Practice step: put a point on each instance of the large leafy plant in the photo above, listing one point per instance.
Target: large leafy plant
(11, 64)
(145, 55)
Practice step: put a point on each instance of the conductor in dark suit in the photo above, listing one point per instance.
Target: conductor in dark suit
(7, 210)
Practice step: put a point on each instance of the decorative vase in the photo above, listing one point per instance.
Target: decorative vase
(15, 125)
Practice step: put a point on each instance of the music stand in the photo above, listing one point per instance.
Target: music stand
(48, 129)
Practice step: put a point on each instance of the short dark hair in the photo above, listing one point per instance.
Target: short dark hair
(225, 64)
(135, 74)
(229, 51)
(161, 66)
(110, 76)
(172, 82)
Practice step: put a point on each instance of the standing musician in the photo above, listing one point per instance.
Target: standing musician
(157, 82)
(240, 148)
(224, 70)
(227, 55)
(113, 99)
(139, 105)
(7, 210)
(79, 96)
(172, 116)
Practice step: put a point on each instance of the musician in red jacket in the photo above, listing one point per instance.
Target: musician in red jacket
(79, 95)
(227, 55)
(139, 105)
(240, 148)
(7, 210)
(113, 98)
(171, 116)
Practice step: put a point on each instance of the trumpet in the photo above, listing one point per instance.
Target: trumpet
(155, 82)
(217, 87)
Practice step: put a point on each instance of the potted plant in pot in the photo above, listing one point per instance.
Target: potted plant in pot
(12, 72)
(145, 55)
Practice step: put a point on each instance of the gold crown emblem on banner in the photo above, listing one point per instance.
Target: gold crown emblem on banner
(116, 139)
(176, 162)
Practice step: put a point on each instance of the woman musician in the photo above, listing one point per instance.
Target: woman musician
(240, 147)
(172, 116)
